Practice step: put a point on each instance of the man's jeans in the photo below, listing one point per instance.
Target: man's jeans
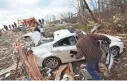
(92, 70)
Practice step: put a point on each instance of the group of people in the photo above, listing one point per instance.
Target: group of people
(39, 26)
(9, 27)
(88, 46)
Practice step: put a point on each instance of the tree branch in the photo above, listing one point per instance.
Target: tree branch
(87, 7)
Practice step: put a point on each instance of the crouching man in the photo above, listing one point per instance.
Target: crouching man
(87, 46)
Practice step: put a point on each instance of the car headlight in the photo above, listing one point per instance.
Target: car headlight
(120, 40)
(116, 40)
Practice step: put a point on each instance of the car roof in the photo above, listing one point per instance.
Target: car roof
(62, 34)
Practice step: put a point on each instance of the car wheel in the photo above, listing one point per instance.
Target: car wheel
(115, 51)
(51, 62)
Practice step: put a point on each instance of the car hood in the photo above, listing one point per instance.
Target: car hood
(42, 49)
(113, 38)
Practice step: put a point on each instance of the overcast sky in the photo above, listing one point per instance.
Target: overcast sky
(11, 10)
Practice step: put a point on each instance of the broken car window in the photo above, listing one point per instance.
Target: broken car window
(65, 42)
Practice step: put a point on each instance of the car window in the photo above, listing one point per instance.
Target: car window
(65, 42)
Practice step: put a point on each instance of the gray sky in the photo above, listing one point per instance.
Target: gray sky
(11, 10)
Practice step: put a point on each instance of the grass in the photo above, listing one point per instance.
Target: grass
(82, 27)
(49, 30)
(54, 28)
(76, 26)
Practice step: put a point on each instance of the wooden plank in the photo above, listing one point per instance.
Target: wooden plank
(71, 68)
(95, 28)
(86, 74)
(9, 69)
(59, 71)
(30, 63)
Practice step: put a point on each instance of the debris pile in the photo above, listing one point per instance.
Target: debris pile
(11, 68)
(8, 56)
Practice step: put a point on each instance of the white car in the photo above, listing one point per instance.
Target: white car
(53, 53)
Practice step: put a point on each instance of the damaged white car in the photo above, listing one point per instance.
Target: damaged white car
(53, 53)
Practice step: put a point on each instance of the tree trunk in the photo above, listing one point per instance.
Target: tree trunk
(87, 7)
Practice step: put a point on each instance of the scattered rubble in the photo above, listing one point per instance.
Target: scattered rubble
(8, 60)
(5, 55)
(8, 57)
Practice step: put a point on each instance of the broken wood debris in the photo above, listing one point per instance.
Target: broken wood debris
(63, 72)
(30, 63)
(9, 69)
(71, 68)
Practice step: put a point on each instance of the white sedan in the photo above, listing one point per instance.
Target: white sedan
(53, 53)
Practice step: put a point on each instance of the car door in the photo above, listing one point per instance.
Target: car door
(63, 47)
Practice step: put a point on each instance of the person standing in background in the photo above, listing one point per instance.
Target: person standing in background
(41, 27)
(5, 27)
(9, 26)
(15, 24)
(40, 22)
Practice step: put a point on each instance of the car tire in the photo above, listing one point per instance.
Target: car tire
(51, 62)
(115, 51)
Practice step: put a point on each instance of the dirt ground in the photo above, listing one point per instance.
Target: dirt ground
(5, 55)
(119, 70)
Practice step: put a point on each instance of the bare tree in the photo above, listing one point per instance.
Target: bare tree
(66, 15)
(81, 14)
(90, 11)
(94, 4)
(121, 7)
(49, 18)
(53, 17)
